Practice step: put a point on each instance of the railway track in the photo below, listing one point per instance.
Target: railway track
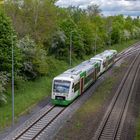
(128, 52)
(42, 123)
(35, 126)
(112, 123)
(130, 48)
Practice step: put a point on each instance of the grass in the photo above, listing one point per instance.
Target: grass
(123, 45)
(26, 95)
(137, 136)
(119, 47)
(30, 93)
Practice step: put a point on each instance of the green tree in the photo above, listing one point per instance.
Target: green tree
(34, 17)
(58, 46)
(7, 38)
(34, 59)
(70, 28)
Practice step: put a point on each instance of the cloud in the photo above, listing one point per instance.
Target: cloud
(126, 7)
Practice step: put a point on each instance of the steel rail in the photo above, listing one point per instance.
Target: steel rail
(38, 119)
(120, 125)
(100, 130)
(43, 128)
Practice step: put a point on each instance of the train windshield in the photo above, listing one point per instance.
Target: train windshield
(61, 86)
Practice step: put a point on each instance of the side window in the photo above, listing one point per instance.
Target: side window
(89, 77)
(77, 87)
(98, 69)
(110, 60)
(104, 64)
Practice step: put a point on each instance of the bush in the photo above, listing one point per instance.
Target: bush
(34, 59)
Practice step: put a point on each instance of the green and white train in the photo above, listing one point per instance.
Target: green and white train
(73, 82)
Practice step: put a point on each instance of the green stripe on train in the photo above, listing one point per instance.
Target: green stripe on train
(62, 102)
(83, 74)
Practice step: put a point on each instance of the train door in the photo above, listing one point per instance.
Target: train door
(106, 64)
(95, 74)
(81, 85)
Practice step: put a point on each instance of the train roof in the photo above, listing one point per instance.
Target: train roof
(99, 57)
(114, 51)
(79, 70)
(85, 67)
(104, 55)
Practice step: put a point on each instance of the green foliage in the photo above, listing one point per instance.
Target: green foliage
(34, 17)
(73, 32)
(34, 58)
(7, 39)
(137, 134)
(58, 47)
(52, 27)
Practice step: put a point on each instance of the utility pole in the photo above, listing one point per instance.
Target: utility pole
(109, 30)
(13, 100)
(13, 81)
(95, 40)
(110, 37)
(70, 47)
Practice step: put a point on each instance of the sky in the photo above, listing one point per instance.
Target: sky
(108, 7)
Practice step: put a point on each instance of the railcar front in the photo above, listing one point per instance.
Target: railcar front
(111, 55)
(102, 61)
(61, 91)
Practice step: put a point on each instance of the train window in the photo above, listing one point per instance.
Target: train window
(98, 69)
(89, 77)
(110, 60)
(104, 64)
(61, 86)
(77, 87)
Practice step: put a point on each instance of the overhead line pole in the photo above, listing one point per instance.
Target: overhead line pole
(95, 39)
(13, 99)
(13, 81)
(70, 46)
